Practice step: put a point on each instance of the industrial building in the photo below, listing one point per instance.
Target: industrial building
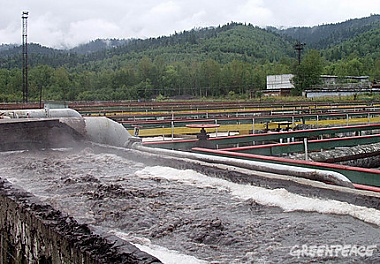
(330, 85)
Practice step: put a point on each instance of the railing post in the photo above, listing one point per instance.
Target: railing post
(172, 130)
(306, 149)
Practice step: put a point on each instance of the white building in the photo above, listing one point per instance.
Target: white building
(278, 82)
(279, 85)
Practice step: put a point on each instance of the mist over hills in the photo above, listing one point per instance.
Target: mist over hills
(242, 40)
(325, 36)
(317, 37)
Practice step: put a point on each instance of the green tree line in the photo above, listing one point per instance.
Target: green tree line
(150, 78)
(144, 80)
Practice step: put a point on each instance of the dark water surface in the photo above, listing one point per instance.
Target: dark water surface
(195, 218)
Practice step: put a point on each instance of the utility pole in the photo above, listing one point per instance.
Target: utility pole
(299, 80)
(25, 87)
(299, 47)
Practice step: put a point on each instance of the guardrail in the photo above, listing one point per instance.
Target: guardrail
(312, 145)
(252, 139)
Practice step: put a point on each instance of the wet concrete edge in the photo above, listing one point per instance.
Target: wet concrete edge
(78, 240)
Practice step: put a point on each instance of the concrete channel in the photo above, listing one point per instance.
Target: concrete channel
(111, 200)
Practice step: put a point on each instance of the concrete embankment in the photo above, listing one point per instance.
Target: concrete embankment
(33, 232)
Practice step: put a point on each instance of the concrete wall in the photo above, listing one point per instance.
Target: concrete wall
(33, 232)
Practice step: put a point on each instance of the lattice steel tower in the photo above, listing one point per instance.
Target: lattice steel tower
(299, 47)
(25, 87)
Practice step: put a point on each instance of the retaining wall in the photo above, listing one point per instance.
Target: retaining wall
(34, 232)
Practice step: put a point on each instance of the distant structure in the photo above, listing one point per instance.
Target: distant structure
(25, 88)
(279, 84)
(333, 81)
(330, 85)
(282, 81)
(299, 47)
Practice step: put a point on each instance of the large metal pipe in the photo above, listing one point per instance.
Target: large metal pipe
(98, 129)
(313, 174)
(106, 131)
(40, 113)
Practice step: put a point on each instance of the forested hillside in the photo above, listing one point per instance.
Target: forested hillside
(325, 36)
(225, 61)
(223, 44)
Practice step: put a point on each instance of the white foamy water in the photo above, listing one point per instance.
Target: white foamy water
(276, 197)
(167, 256)
(186, 217)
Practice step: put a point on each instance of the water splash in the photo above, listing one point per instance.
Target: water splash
(167, 256)
(276, 197)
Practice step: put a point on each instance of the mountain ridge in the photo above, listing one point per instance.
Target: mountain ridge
(318, 37)
(327, 35)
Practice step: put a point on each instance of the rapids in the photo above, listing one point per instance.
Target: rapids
(184, 215)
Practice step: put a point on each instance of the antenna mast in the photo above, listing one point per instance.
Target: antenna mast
(25, 87)
(299, 47)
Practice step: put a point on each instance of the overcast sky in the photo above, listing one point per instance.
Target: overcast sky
(67, 23)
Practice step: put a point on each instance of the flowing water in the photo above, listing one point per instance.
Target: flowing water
(182, 216)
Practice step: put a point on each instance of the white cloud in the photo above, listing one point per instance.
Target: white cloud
(90, 29)
(255, 12)
(313, 13)
(158, 18)
(69, 22)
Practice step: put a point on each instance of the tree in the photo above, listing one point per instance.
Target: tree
(210, 77)
(308, 72)
(40, 79)
(354, 67)
(14, 84)
(146, 69)
(375, 71)
(4, 79)
(170, 81)
(61, 85)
